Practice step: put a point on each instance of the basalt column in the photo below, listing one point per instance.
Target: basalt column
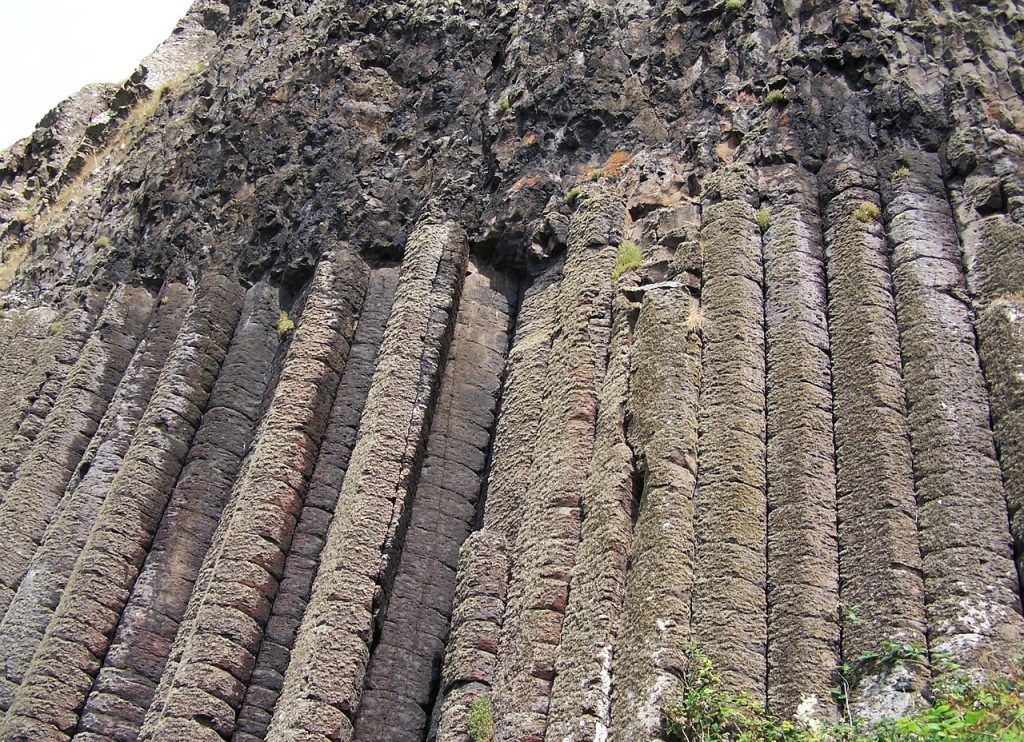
(478, 609)
(544, 553)
(880, 588)
(521, 402)
(970, 580)
(994, 265)
(403, 675)
(581, 693)
(47, 703)
(471, 648)
(31, 501)
(124, 687)
(730, 510)
(803, 553)
(663, 391)
(213, 654)
(317, 509)
(324, 681)
(41, 347)
(38, 594)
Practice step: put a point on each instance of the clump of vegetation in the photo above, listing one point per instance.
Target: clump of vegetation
(732, 5)
(572, 194)
(964, 710)
(504, 104)
(775, 98)
(481, 720)
(888, 655)
(867, 212)
(764, 220)
(595, 174)
(903, 172)
(284, 325)
(628, 259)
(102, 242)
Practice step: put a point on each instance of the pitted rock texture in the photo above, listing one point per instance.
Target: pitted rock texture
(339, 406)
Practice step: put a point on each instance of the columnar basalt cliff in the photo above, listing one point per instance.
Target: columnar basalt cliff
(372, 367)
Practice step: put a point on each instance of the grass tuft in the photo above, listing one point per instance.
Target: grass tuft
(628, 259)
(481, 720)
(284, 325)
(867, 212)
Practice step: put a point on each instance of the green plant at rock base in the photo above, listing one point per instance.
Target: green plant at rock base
(102, 242)
(902, 172)
(572, 194)
(504, 104)
(775, 98)
(481, 720)
(764, 220)
(628, 259)
(595, 174)
(700, 710)
(284, 325)
(731, 5)
(867, 213)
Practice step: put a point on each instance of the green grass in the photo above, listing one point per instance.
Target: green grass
(481, 720)
(775, 98)
(764, 220)
(572, 194)
(903, 172)
(284, 325)
(732, 5)
(628, 259)
(867, 212)
(963, 710)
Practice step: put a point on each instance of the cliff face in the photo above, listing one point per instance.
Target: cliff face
(337, 397)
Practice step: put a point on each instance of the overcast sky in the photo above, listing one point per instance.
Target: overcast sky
(49, 49)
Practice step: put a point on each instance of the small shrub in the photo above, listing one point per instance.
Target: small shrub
(867, 212)
(504, 104)
(284, 325)
(629, 259)
(903, 172)
(764, 220)
(572, 194)
(595, 174)
(733, 5)
(481, 720)
(103, 242)
(775, 98)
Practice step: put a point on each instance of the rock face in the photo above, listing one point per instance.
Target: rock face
(338, 403)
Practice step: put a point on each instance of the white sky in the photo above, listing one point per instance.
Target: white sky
(49, 49)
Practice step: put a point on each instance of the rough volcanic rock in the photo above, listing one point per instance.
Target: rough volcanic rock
(368, 366)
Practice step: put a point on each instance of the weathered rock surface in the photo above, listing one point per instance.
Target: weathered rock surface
(366, 365)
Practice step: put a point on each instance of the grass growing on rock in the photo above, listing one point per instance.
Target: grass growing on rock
(481, 720)
(764, 220)
(962, 710)
(628, 259)
(867, 212)
(284, 325)
(775, 98)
